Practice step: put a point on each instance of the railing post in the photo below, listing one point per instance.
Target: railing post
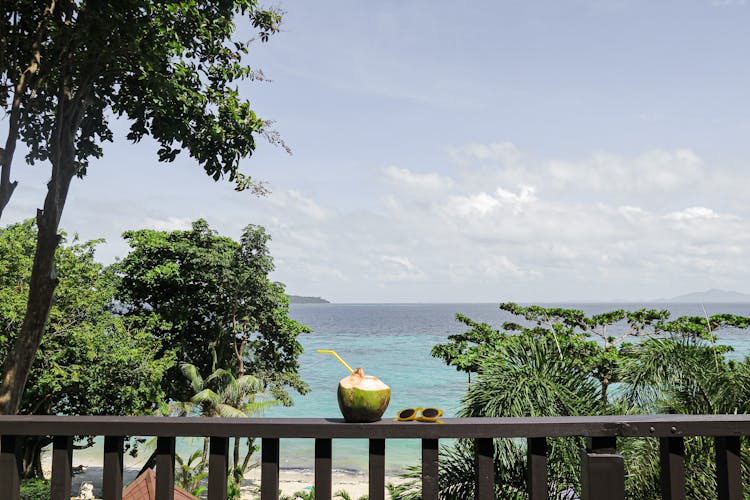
(430, 483)
(602, 470)
(728, 468)
(165, 468)
(536, 468)
(218, 465)
(112, 476)
(322, 469)
(10, 447)
(62, 467)
(269, 471)
(485, 467)
(672, 458)
(377, 469)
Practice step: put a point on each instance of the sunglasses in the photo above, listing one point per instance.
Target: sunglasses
(420, 415)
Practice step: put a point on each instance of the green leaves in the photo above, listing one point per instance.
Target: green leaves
(557, 362)
(90, 361)
(204, 294)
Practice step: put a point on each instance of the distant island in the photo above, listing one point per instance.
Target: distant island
(299, 299)
(711, 296)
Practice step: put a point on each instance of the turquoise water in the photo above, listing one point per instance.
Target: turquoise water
(393, 342)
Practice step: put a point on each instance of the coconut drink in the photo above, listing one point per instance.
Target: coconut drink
(363, 398)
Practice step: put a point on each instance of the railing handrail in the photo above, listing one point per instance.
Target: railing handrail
(602, 468)
(657, 425)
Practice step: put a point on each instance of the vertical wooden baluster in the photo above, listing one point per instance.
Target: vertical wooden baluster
(269, 472)
(322, 469)
(377, 469)
(536, 468)
(430, 484)
(112, 475)
(672, 458)
(62, 467)
(9, 457)
(165, 468)
(218, 465)
(728, 468)
(602, 470)
(485, 467)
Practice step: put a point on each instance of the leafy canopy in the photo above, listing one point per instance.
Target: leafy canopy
(169, 67)
(559, 362)
(90, 362)
(211, 299)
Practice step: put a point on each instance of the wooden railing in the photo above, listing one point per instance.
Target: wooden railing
(602, 468)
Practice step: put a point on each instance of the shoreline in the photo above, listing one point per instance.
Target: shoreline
(290, 480)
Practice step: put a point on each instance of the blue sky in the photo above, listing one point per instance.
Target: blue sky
(483, 151)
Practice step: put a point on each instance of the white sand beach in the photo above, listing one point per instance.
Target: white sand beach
(290, 480)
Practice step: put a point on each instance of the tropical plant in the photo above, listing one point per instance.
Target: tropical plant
(306, 494)
(35, 489)
(191, 473)
(90, 362)
(557, 362)
(170, 68)
(221, 394)
(344, 495)
(212, 300)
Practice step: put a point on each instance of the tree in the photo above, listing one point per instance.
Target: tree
(170, 67)
(210, 298)
(558, 362)
(90, 361)
(222, 394)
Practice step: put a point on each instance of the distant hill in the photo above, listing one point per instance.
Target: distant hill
(712, 295)
(299, 299)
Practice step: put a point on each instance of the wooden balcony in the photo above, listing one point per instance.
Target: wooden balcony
(602, 468)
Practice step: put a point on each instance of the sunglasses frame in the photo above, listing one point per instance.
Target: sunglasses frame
(418, 415)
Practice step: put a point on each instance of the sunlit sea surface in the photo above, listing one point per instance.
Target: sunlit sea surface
(393, 342)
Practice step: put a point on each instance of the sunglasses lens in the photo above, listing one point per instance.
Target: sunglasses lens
(406, 413)
(430, 413)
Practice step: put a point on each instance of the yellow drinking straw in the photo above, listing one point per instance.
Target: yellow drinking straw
(333, 353)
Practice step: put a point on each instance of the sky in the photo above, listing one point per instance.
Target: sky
(489, 151)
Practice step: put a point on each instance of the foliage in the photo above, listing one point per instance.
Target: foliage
(90, 361)
(306, 494)
(35, 489)
(557, 362)
(211, 299)
(191, 472)
(169, 67)
(344, 495)
(67, 68)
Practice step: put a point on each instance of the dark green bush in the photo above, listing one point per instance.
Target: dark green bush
(35, 489)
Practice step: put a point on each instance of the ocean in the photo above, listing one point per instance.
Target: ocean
(393, 342)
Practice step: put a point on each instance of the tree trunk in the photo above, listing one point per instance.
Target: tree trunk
(32, 457)
(43, 276)
(6, 155)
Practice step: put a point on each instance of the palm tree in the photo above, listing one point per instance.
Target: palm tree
(222, 394)
(554, 369)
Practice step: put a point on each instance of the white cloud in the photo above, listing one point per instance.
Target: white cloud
(655, 170)
(295, 201)
(474, 204)
(168, 223)
(692, 213)
(398, 268)
(404, 177)
(491, 229)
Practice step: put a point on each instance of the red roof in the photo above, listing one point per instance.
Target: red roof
(144, 488)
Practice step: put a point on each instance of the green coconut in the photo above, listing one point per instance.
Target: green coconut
(363, 398)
